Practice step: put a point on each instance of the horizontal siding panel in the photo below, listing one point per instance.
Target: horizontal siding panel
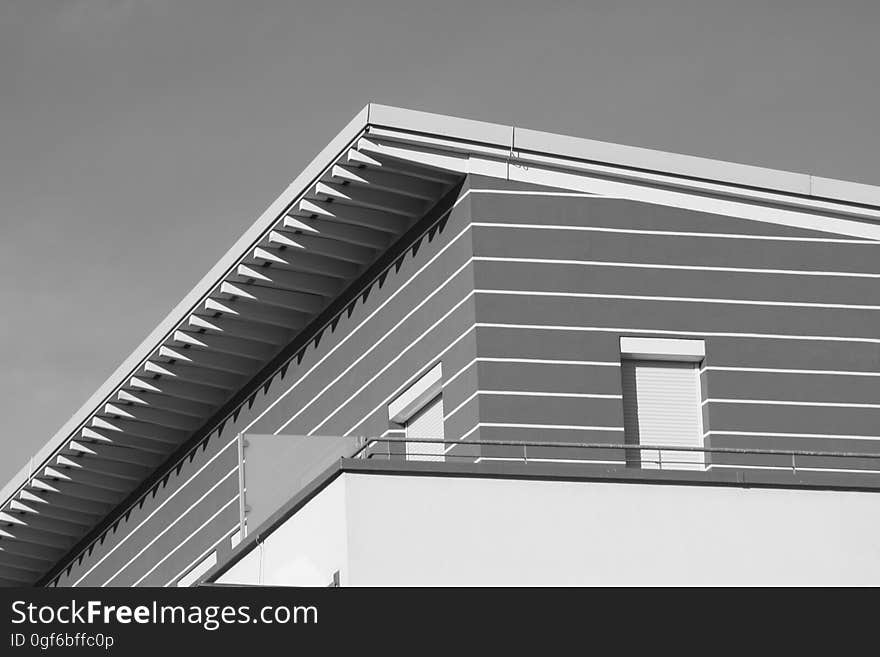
(794, 387)
(499, 342)
(551, 410)
(677, 283)
(792, 354)
(676, 316)
(620, 213)
(544, 377)
(793, 419)
(504, 241)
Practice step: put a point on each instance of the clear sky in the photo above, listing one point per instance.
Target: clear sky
(139, 138)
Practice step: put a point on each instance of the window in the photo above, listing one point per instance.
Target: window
(420, 411)
(662, 401)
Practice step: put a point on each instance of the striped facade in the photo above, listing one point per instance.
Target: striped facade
(523, 294)
(790, 319)
(421, 313)
(520, 283)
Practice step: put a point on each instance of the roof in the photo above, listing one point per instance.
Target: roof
(372, 183)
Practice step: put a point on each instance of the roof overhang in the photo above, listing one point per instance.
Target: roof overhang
(379, 177)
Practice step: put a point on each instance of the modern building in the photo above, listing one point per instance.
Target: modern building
(455, 352)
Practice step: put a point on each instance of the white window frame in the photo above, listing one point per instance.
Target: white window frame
(421, 393)
(670, 350)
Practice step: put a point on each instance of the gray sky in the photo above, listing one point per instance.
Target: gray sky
(139, 138)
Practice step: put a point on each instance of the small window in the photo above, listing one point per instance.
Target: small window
(426, 423)
(662, 402)
(420, 410)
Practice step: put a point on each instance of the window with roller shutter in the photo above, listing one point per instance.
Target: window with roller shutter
(662, 402)
(426, 423)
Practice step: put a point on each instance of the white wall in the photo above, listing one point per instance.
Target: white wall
(404, 530)
(304, 551)
(436, 531)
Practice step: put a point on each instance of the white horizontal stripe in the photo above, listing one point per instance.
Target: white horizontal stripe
(459, 373)
(767, 434)
(409, 381)
(575, 427)
(669, 233)
(722, 334)
(202, 556)
(645, 265)
(549, 361)
(157, 509)
(789, 468)
(771, 370)
(532, 393)
(366, 320)
(640, 297)
(385, 368)
(778, 402)
(169, 526)
(460, 406)
(184, 541)
(462, 437)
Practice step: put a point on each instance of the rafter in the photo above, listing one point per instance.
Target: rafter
(225, 344)
(182, 389)
(139, 429)
(51, 503)
(300, 260)
(188, 407)
(330, 248)
(291, 280)
(386, 180)
(306, 303)
(331, 229)
(21, 562)
(347, 214)
(209, 359)
(114, 453)
(42, 552)
(153, 416)
(258, 312)
(36, 537)
(42, 510)
(88, 463)
(404, 206)
(241, 329)
(194, 375)
(374, 160)
(94, 479)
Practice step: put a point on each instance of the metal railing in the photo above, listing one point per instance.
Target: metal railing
(634, 455)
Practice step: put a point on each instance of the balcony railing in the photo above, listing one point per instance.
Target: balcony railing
(656, 457)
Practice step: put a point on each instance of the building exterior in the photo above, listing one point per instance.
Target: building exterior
(454, 352)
